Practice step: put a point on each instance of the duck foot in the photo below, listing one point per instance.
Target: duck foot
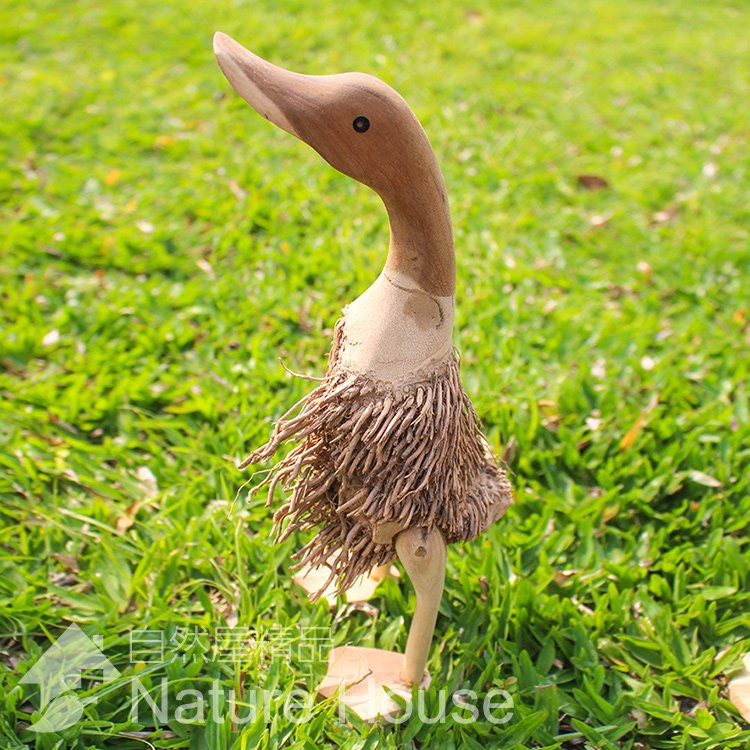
(361, 590)
(359, 676)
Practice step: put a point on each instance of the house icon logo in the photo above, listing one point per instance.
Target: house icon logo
(58, 675)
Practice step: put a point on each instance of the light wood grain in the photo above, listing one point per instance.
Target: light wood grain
(422, 553)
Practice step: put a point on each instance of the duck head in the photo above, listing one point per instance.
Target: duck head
(364, 129)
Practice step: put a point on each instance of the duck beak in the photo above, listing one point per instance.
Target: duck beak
(271, 91)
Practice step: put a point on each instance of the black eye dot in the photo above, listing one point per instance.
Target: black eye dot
(361, 124)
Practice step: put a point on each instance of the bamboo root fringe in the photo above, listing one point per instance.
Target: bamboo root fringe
(370, 453)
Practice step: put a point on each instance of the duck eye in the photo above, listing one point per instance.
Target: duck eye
(361, 124)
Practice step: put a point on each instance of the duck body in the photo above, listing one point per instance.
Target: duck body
(389, 440)
(380, 448)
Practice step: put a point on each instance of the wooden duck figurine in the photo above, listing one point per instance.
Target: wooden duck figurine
(390, 459)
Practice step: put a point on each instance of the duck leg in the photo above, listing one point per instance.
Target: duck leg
(359, 674)
(422, 553)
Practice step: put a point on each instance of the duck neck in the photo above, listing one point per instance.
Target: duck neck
(421, 243)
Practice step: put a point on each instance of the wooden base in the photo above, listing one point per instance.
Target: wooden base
(359, 675)
(362, 590)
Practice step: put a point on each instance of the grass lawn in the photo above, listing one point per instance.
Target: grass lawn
(161, 246)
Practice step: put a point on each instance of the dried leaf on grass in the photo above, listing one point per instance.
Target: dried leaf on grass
(149, 490)
(632, 434)
(700, 477)
(592, 182)
(665, 215)
(599, 220)
(127, 519)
